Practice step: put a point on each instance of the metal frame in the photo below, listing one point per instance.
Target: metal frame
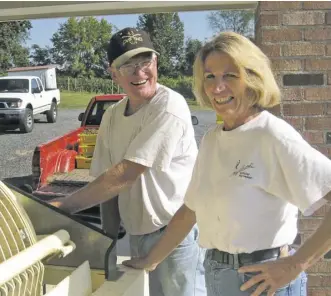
(19, 10)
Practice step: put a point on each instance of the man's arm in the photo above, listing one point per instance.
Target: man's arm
(103, 188)
(178, 228)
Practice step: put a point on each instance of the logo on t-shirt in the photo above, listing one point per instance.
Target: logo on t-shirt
(241, 171)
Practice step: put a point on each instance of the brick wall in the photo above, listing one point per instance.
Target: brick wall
(297, 38)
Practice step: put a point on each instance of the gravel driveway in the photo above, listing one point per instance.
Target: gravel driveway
(16, 149)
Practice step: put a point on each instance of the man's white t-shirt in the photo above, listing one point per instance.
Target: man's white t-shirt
(249, 183)
(159, 136)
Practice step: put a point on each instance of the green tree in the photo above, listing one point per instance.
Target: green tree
(239, 21)
(41, 56)
(192, 46)
(12, 52)
(79, 46)
(167, 34)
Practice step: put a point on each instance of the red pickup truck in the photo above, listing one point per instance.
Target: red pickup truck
(61, 166)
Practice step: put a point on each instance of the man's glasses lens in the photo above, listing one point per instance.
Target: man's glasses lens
(129, 69)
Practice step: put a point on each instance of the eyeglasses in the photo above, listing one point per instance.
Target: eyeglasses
(129, 69)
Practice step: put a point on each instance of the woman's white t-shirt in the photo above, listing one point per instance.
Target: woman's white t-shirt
(249, 183)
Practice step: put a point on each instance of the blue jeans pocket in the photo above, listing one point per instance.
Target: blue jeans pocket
(280, 292)
(190, 239)
(297, 287)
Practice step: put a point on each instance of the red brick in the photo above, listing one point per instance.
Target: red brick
(319, 280)
(303, 49)
(318, 5)
(272, 50)
(328, 18)
(321, 266)
(276, 35)
(292, 94)
(303, 18)
(318, 64)
(318, 34)
(297, 123)
(306, 235)
(287, 65)
(280, 5)
(267, 20)
(324, 149)
(322, 211)
(318, 94)
(322, 123)
(309, 224)
(278, 78)
(302, 109)
(328, 109)
(314, 138)
(275, 110)
(328, 49)
(319, 292)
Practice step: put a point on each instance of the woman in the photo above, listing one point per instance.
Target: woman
(252, 174)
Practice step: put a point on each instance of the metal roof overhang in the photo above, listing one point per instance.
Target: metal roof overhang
(19, 10)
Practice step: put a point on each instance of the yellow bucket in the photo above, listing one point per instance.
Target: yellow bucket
(219, 119)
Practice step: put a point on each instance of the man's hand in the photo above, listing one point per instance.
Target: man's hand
(272, 275)
(140, 263)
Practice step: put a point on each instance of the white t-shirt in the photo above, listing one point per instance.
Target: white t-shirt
(159, 136)
(249, 183)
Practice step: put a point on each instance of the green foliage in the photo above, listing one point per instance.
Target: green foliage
(12, 52)
(41, 56)
(85, 84)
(80, 46)
(192, 47)
(239, 21)
(182, 85)
(167, 34)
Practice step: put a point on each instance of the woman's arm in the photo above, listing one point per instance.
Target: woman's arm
(317, 244)
(178, 228)
(276, 274)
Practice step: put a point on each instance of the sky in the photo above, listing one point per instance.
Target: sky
(195, 26)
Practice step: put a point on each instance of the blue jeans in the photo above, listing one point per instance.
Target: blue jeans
(181, 273)
(224, 280)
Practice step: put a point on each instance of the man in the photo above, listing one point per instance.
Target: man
(145, 153)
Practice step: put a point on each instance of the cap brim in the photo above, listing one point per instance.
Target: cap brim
(129, 54)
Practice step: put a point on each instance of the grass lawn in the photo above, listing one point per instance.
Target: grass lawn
(79, 100)
(75, 100)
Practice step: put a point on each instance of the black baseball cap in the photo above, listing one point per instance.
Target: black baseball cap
(127, 43)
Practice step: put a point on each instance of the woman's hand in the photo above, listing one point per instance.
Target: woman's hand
(140, 263)
(271, 275)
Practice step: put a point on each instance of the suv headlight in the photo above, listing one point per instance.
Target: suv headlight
(15, 104)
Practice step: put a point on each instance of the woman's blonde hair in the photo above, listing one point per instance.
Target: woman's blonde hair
(254, 70)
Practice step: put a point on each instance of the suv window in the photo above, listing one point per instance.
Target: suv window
(39, 84)
(97, 111)
(34, 85)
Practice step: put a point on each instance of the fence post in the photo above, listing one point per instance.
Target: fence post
(68, 84)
